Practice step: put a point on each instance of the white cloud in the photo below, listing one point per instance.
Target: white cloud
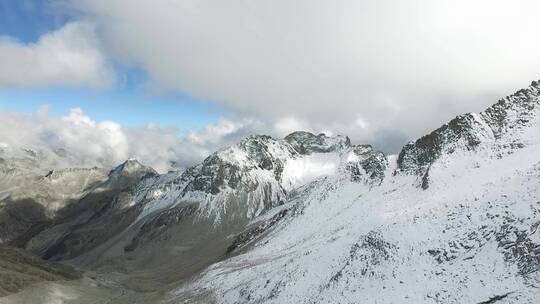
(76, 140)
(361, 122)
(225, 132)
(69, 56)
(102, 142)
(290, 124)
(407, 66)
(214, 132)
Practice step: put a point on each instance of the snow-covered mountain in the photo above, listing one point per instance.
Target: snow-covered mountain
(455, 220)
(203, 208)
(309, 218)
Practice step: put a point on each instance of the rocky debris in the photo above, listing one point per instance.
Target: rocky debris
(520, 248)
(256, 230)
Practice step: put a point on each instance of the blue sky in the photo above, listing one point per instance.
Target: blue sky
(127, 102)
(27, 20)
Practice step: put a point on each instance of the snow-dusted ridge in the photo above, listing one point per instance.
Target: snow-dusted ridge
(454, 220)
(264, 168)
(496, 129)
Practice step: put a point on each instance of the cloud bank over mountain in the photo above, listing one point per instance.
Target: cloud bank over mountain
(390, 65)
(382, 72)
(76, 140)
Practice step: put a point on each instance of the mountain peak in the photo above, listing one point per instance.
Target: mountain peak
(130, 169)
(497, 126)
(306, 143)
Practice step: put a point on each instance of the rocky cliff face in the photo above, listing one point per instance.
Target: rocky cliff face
(493, 129)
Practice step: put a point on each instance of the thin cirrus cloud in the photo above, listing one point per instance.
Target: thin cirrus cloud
(69, 56)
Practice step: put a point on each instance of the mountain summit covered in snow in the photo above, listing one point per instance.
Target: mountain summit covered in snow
(453, 218)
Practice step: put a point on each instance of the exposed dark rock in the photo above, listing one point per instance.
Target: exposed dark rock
(466, 132)
(519, 248)
(255, 231)
(495, 298)
(416, 157)
(370, 165)
(425, 180)
(307, 143)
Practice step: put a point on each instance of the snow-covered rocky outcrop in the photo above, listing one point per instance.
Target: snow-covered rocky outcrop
(494, 132)
(454, 219)
(209, 204)
(252, 176)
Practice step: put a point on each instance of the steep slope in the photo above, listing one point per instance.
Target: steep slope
(29, 174)
(455, 220)
(100, 214)
(260, 165)
(31, 194)
(19, 269)
(494, 132)
(194, 216)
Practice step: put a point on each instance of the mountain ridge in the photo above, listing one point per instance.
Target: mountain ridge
(469, 236)
(312, 218)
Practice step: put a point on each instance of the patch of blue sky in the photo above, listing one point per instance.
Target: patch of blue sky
(128, 103)
(27, 20)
